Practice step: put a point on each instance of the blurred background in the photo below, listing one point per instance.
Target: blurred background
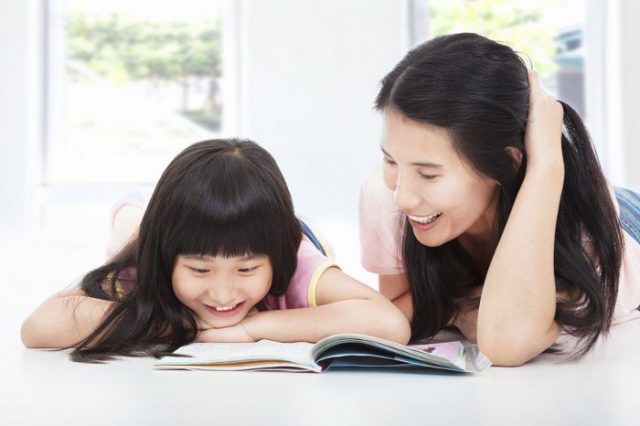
(97, 97)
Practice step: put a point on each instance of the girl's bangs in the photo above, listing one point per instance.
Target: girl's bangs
(229, 228)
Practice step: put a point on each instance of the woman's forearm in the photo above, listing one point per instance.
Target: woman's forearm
(63, 321)
(372, 317)
(517, 309)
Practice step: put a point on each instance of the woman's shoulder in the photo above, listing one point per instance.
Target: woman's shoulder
(375, 195)
(627, 205)
(381, 227)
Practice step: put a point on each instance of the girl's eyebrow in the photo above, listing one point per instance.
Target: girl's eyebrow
(211, 258)
(197, 257)
(418, 164)
(249, 257)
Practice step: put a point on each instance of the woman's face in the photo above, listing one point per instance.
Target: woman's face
(443, 197)
(221, 291)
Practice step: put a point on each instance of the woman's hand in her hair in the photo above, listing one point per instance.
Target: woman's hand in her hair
(544, 129)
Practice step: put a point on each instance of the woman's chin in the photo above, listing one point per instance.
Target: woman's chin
(429, 239)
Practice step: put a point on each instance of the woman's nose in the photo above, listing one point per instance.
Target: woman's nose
(404, 196)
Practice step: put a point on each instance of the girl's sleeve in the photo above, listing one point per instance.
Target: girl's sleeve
(302, 287)
(381, 225)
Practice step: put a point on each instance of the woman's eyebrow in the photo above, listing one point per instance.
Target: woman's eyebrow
(419, 163)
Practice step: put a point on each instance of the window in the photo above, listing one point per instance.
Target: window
(131, 83)
(549, 33)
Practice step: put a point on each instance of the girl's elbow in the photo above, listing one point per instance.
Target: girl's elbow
(397, 328)
(29, 334)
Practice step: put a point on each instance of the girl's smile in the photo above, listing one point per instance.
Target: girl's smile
(220, 290)
(225, 311)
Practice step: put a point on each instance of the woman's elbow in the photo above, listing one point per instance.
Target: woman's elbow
(513, 347)
(506, 353)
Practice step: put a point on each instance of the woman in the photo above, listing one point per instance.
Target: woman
(496, 217)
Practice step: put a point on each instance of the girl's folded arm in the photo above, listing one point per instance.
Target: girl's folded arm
(63, 320)
(344, 306)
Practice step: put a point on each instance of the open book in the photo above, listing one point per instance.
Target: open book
(340, 350)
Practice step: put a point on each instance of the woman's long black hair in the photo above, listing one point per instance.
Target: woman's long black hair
(478, 90)
(217, 197)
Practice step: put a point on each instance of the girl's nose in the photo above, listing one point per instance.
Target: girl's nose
(222, 293)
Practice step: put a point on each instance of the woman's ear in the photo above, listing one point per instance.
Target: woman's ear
(516, 155)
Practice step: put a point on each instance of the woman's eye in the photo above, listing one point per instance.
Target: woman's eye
(199, 270)
(428, 177)
(388, 161)
(247, 270)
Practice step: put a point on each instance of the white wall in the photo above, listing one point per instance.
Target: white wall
(20, 119)
(309, 75)
(629, 66)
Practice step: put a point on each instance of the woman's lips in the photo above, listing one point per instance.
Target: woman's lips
(424, 226)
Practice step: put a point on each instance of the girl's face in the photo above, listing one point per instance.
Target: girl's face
(443, 197)
(221, 291)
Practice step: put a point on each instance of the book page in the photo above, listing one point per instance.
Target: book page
(357, 348)
(224, 354)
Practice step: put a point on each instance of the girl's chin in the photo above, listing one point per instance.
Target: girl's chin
(217, 323)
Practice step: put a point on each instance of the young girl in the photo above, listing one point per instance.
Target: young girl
(492, 193)
(219, 257)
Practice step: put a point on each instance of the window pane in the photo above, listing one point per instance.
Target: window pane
(132, 83)
(549, 33)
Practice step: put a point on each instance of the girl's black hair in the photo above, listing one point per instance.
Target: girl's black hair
(478, 90)
(217, 197)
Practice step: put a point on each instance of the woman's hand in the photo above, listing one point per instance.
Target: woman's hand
(544, 127)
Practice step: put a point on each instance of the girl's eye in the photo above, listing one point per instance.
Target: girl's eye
(247, 270)
(199, 270)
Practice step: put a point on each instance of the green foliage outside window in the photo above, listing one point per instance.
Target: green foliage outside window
(120, 51)
(517, 23)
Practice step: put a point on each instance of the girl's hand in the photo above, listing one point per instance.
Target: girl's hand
(233, 334)
(544, 127)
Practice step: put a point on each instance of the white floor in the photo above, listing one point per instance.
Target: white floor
(40, 387)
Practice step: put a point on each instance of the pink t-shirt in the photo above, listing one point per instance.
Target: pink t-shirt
(302, 287)
(381, 245)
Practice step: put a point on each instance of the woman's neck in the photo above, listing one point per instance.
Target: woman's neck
(480, 240)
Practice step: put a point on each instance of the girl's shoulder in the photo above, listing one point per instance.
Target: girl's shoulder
(301, 292)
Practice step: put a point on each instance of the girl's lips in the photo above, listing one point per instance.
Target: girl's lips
(228, 313)
(423, 226)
